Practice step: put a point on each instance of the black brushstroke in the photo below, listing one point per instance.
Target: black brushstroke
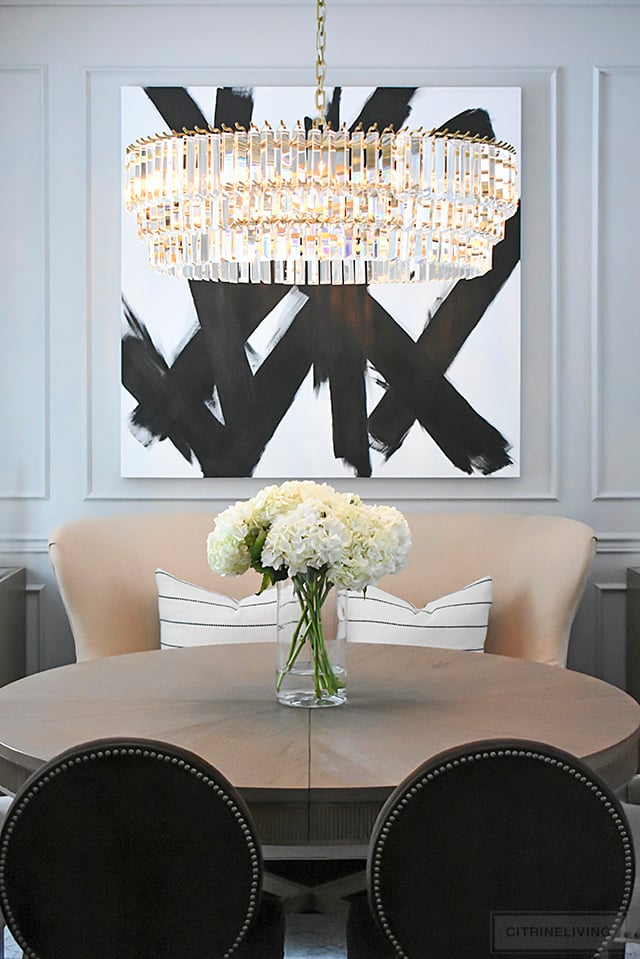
(332, 113)
(465, 437)
(247, 400)
(476, 122)
(180, 111)
(233, 106)
(171, 401)
(340, 360)
(275, 386)
(177, 108)
(446, 333)
(387, 106)
(224, 343)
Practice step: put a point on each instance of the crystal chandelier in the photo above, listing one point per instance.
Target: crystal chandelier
(320, 206)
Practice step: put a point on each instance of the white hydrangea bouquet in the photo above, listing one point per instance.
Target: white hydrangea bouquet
(318, 538)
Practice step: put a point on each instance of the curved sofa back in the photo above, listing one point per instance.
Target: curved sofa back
(105, 569)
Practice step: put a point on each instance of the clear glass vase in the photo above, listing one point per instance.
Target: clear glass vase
(311, 642)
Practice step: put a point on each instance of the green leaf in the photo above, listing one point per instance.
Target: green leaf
(266, 582)
(255, 541)
(270, 576)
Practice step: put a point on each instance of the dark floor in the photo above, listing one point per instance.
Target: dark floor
(308, 937)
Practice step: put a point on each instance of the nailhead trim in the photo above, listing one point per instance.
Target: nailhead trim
(157, 754)
(493, 754)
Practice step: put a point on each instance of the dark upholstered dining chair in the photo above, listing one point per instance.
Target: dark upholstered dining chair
(136, 849)
(5, 804)
(489, 849)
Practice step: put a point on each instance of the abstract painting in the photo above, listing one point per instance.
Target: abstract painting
(397, 380)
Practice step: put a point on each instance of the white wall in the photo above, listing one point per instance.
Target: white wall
(61, 68)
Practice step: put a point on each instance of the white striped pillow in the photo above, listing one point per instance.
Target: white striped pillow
(455, 621)
(193, 616)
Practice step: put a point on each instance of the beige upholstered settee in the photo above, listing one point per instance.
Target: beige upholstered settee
(105, 568)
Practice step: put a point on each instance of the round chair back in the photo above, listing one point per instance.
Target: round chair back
(129, 847)
(495, 847)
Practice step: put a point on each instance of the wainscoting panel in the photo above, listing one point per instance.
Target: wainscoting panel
(49, 639)
(610, 625)
(598, 640)
(36, 619)
(24, 454)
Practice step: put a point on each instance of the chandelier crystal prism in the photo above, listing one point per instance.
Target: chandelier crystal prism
(320, 205)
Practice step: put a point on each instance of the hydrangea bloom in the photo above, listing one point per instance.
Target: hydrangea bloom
(309, 536)
(288, 529)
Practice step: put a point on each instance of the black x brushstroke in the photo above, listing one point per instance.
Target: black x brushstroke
(468, 440)
(444, 336)
(335, 333)
(181, 112)
(340, 360)
(220, 450)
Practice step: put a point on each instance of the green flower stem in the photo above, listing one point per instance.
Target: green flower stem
(311, 590)
(297, 643)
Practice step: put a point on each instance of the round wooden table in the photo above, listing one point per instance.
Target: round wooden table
(316, 776)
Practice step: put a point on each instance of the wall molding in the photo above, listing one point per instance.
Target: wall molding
(368, 492)
(626, 544)
(39, 124)
(18, 543)
(618, 543)
(554, 364)
(35, 626)
(598, 492)
(604, 593)
(596, 400)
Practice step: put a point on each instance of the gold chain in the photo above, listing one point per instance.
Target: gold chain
(321, 70)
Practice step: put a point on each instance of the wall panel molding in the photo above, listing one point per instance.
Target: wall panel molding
(24, 331)
(36, 633)
(611, 137)
(609, 618)
(18, 543)
(618, 543)
(607, 543)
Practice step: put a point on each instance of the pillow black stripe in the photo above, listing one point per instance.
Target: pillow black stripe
(288, 622)
(456, 605)
(382, 622)
(486, 579)
(366, 595)
(409, 608)
(186, 622)
(210, 602)
(289, 602)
